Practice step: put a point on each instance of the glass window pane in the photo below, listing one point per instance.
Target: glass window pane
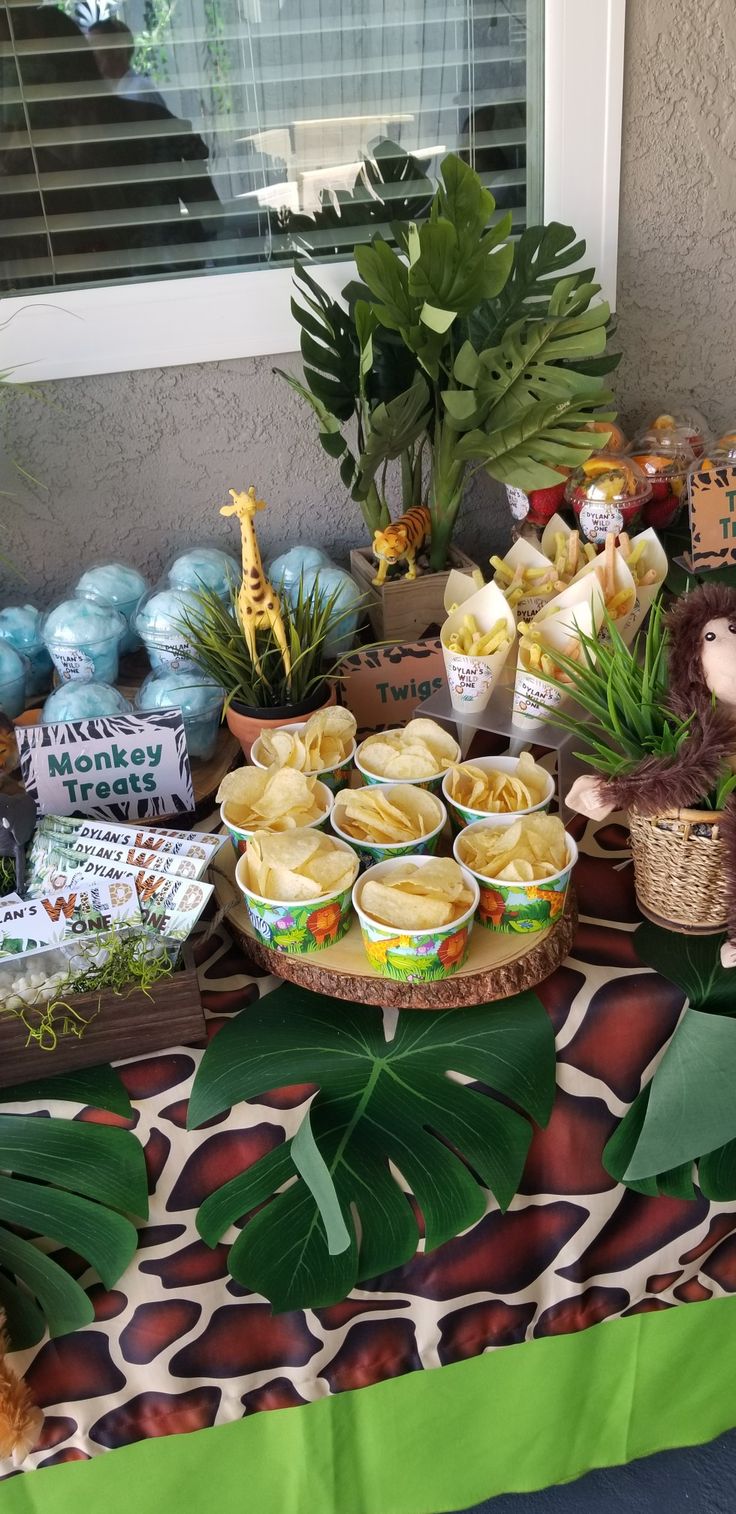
(153, 138)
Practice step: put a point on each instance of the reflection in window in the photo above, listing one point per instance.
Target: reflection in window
(157, 137)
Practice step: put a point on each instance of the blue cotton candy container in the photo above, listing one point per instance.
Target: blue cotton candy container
(83, 637)
(115, 583)
(205, 568)
(158, 623)
(13, 673)
(20, 627)
(199, 699)
(83, 701)
(286, 570)
(311, 566)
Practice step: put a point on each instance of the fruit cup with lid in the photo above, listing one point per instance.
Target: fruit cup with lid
(688, 420)
(608, 493)
(665, 457)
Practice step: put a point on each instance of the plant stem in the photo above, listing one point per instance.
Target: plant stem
(374, 511)
(407, 478)
(446, 492)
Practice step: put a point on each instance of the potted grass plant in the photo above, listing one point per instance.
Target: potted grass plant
(626, 725)
(456, 352)
(262, 688)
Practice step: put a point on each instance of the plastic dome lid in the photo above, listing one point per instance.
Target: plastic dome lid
(84, 701)
(161, 611)
(608, 478)
(660, 452)
(204, 568)
(193, 693)
(21, 626)
(114, 583)
(76, 622)
(686, 419)
(616, 443)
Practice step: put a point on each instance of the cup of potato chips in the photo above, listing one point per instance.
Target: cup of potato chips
(416, 916)
(323, 746)
(419, 753)
(504, 787)
(523, 870)
(388, 820)
(271, 799)
(297, 887)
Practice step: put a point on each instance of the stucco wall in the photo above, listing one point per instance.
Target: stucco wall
(135, 462)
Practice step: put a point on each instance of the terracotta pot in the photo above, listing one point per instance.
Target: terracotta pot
(246, 721)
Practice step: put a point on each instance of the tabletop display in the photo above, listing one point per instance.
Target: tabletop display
(441, 1117)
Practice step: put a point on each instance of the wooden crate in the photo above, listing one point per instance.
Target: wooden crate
(402, 610)
(169, 1014)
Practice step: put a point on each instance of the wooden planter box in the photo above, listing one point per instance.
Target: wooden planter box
(401, 610)
(169, 1014)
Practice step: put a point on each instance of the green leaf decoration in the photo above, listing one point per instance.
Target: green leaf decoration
(98, 1087)
(80, 1175)
(717, 1173)
(691, 1107)
(377, 1102)
(693, 963)
(542, 254)
(393, 427)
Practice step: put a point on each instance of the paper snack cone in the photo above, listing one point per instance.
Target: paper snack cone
(554, 527)
(623, 583)
(471, 680)
(534, 697)
(565, 607)
(459, 587)
(524, 554)
(653, 557)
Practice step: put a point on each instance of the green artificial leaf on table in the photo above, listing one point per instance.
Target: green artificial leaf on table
(377, 1102)
(691, 1108)
(693, 963)
(81, 1174)
(717, 1173)
(97, 1087)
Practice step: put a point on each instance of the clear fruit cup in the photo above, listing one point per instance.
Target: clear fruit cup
(688, 420)
(616, 443)
(607, 494)
(664, 457)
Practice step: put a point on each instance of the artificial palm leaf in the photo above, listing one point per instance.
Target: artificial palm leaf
(542, 254)
(378, 1102)
(73, 1183)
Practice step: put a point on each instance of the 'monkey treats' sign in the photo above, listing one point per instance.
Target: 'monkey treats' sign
(127, 766)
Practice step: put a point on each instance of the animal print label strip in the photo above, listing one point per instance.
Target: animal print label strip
(170, 906)
(97, 905)
(175, 843)
(130, 856)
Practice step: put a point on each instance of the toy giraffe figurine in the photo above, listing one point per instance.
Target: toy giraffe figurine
(258, 602)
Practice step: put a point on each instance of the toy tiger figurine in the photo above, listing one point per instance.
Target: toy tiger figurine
(402, 538)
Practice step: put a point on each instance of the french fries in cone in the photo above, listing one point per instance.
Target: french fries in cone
(557, 629)
(526, 578)
(616, 581)
(647, 562)
(477, 638)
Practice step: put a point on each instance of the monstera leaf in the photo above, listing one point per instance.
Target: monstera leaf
(686, 1113)
(330, 1212)
(542, 255)
(72, 1182)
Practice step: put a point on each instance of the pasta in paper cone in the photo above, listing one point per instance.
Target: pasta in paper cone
(558, 629)
(617, 585)
(520, 572)
(648, 557)
(471, 677)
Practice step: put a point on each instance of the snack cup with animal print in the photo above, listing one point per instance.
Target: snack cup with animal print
(334, 778)
(298, 926)
(240, 835)
(415, 956)
(362, 759)
(461, 815)
(519, 908)
(371, 852)
(471, 680)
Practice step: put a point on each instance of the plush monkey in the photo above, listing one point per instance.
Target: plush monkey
(702, 682)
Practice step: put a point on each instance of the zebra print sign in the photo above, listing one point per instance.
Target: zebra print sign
(128, 767)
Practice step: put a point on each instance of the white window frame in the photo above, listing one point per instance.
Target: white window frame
(201, 319)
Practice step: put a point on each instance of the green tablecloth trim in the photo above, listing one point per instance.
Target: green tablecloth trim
(517, 1419)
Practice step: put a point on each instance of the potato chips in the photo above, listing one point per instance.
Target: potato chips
(273, 799)
(534, 847)
(420, 750)
(495, 792)
(387, 817)
(412, 898)
(297, 865)
(324, 742)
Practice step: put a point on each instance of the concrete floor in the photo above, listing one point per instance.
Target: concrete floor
(697, 1481)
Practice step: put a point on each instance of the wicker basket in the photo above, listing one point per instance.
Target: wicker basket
(679, 870)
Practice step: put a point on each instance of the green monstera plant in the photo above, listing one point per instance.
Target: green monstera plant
(457, 351)
(379, 1102)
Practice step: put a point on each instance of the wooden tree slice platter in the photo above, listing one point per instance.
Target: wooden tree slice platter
(498, 965)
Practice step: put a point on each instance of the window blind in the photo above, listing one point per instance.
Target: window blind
(151, 138)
